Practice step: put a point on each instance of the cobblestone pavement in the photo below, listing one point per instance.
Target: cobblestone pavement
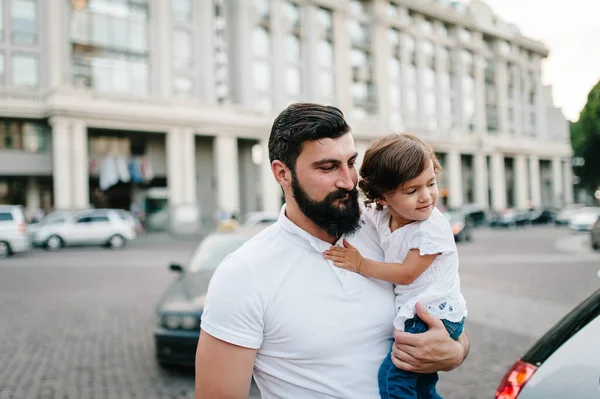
(78, 324)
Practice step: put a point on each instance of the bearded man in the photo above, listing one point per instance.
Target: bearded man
(277, 310)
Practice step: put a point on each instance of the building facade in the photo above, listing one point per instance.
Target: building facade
(168, 103)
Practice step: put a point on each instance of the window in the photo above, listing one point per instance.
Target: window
(392, 10)
(1, 67)
(110, 46)
(183, 86)
(262, 75)
(6, 217)
(261, 42)
(427, 27)
(292, 13)
(263, 8)
(292, 48)
(181, 9)
(25, 70)
(23, 15)
(325, 19)
(1, 20)
(26, 136)
(325, 53)
(293, 81)
(182, 49)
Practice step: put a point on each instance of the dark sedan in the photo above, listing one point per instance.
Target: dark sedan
(180, 309)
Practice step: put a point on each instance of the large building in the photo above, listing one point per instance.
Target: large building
(169, 102)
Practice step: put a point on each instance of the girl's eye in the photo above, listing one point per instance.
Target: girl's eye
(432, 184)
(411, 192)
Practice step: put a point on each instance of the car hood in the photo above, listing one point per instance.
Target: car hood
(186, 294)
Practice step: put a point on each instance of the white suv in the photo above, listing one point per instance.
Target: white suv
(13, 231)
(108, 227)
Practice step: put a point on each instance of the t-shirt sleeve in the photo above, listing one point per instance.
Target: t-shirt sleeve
(233, 310)
(434, 236)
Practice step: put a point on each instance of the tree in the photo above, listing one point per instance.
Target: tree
(585, 139)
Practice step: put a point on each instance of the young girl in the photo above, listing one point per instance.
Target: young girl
(398, 175)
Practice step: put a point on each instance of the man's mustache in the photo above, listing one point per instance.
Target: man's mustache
(341, 194)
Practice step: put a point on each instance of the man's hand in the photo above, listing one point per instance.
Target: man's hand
(346, 257)
(431, 351)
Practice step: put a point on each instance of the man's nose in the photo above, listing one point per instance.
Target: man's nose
(346, 179)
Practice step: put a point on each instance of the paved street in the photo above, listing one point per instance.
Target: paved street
(78, 324)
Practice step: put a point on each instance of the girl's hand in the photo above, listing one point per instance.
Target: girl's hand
(346, 257)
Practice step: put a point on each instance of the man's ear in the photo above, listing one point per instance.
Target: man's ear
(282, 174)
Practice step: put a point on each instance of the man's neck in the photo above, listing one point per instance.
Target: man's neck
(295, 215)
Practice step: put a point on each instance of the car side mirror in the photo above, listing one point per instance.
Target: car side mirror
(176, 267)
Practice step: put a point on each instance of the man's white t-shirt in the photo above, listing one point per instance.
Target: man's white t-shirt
(320, 331)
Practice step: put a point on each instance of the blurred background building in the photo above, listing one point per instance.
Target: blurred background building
(167, 104)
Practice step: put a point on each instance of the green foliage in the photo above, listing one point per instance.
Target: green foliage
(585, 139)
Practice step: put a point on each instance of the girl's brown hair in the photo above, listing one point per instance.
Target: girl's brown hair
(391, 161)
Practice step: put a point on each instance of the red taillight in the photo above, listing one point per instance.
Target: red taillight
(515, 379)
(22, 227)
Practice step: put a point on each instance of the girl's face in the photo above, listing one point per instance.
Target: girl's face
(415, 199)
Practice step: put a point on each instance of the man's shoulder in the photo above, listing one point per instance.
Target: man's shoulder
(263, 245)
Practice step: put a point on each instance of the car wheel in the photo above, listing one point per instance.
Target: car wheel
(595, 245)
(5, 250)
(54, 243)
(117, 242)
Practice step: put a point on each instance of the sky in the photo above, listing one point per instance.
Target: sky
(571, 31)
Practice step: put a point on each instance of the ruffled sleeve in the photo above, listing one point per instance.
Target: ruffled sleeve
(434, 236)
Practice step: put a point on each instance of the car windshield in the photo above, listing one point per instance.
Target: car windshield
(213, 250)
(53, 218)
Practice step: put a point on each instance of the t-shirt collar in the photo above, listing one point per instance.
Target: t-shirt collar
(289, 226)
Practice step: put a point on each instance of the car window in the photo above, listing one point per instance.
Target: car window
(98, 219)
(84, 219)
(6, 216)
(213, 250)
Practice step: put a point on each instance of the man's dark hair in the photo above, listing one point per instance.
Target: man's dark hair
(302, 122)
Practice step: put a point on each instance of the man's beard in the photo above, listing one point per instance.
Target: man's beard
(335, 220)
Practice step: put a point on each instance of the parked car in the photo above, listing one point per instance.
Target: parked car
(51, 218)
(108, 227)
(13, 231)
(584, 219)
(565, 214)
(257, 218)
(462, 226)
(564, 363)
(542, 216)
(595, 235)
(475, 214)
(510, 218)
(180, 309)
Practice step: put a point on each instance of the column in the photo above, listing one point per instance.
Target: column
(568, 179)
(480, 101)
(517, 101)
(540, 105)
(33, 196)
(502, 94)
(557, 181)
(381, 54)
(481, 183)
(240, 17)
(226, 167)
(342, 49)
(535, 181)
(61, 168)
(455, 189)
(278, 62)
(175, 174)
(188, 158)
(458, 71)
(57, 33)
(310, 75)
(161, 54)
(271, 191)
(80, 166)
(441, 96)
(498, 182)
(206, 56)
(521, 187)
